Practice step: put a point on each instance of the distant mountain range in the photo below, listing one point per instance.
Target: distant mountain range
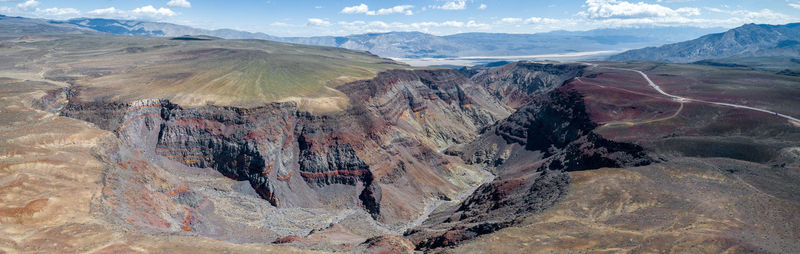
(393, 44)
(146, 28)
(417, 45)
(750, 40)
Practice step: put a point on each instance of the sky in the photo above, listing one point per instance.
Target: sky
(440, 17)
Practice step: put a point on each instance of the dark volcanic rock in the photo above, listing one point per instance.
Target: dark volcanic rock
(515, 84)
(388, 244)
(516, 196)
(332, 164)
(531, 151)
(493, 206)
(256, 144)
(557, 125)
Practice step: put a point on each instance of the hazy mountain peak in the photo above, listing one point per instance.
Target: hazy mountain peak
(745, 41)
(409, 44)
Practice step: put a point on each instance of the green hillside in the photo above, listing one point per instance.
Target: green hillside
(193, 72)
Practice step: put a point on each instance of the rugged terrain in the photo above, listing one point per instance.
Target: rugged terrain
(722, 178)
(141, 154)
(390, 44)
(365, 156)
(750, 40)
(517, 84)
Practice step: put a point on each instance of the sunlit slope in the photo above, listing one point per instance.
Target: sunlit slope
(196, 72)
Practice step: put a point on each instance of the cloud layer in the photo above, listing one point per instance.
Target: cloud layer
(451, 5)
(442, 16)
(179, 3)
(621, 9)
(364, 9)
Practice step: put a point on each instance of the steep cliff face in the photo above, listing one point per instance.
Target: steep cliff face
(516, 84)
(443, 105)
(557, 127)
(382, 154)
(530, 153)
(263, 145)
(387, 140)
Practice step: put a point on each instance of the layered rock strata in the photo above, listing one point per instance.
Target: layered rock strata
(388, 139)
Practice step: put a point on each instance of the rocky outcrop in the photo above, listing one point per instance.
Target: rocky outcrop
(530, 153)
(388, 244)
(493, 206)
(387, 139)
(441, 104)
(558, 127)
(261, 145)
(513, 196)
(244, 144)
(516, 84)
(382, 154)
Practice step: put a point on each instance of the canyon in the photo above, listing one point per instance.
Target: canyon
(407, 159)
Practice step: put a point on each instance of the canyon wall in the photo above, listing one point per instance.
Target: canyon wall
(530, 153)
(388, 140)
(408, 151)
(516, 84)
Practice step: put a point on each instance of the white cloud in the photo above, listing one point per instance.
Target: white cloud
(364, 9)
(150, 11)
(510, 20)
(397, 9)
(762, 16)
(357, 9)
(28, 4)
(482, 7)
(279, 24)
(616, 13)
(607, 9)
(794, 4)
(427, 27)
(58, 12)
(528, 21)
(179, 3)
(144, 12)
(474, 24)
(451, 5)
(450, 23)
(539, 20)
(735, 18)
(318, 22)
(106, 11)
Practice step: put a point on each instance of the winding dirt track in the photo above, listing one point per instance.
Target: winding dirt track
(684, 99)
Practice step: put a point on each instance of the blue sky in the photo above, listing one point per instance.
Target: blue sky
(342, 17)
